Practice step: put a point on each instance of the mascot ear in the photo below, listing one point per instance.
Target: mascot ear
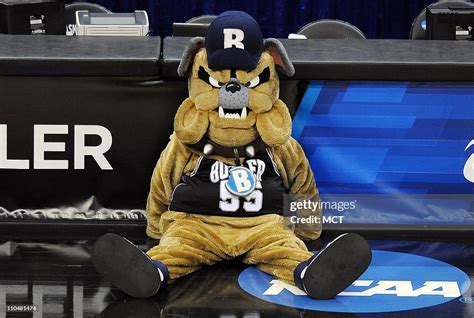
(190, 51)
(280, 57)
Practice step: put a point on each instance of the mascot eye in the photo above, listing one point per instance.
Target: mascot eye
(214, 82)
(260, 79)
(204, 76)
(254, 82)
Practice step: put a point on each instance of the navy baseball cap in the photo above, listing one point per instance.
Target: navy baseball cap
(233, 41)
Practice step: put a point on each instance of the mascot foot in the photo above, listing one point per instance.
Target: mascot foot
(335, 268)
(127, 267)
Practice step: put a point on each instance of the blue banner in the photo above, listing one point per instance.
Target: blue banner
(403, 151)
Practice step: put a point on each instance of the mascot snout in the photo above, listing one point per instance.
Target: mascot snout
(233, 100)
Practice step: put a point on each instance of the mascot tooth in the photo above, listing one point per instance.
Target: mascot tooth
(218, 189)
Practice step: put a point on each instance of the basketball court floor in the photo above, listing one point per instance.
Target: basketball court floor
(406, 279)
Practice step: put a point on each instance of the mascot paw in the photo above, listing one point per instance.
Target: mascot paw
(336, 267)
(126, 266)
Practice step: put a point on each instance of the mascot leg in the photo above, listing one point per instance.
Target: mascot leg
(335, 267)
(184, 247)
(278, 252)
(127, 267)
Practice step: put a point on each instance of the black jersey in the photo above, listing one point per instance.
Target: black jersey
(205, 190)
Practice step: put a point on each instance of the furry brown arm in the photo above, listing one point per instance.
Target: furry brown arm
(167, 174)
(298, 179)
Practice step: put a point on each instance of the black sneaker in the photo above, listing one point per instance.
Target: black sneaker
(127, 267)
(336, 267)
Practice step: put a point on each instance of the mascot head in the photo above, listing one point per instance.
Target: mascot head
(233, 85)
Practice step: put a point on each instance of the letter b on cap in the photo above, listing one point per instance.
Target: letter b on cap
(233, 37)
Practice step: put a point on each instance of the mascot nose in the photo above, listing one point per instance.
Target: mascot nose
(233, 86)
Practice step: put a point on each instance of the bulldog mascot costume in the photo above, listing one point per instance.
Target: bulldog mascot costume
(217, 190)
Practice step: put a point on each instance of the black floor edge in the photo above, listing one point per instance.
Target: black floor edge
(135, 230)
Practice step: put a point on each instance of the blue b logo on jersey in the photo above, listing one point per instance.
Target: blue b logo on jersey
(241, 181)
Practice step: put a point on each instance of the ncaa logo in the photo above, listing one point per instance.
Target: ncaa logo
(469, 166)
(241, 181)
(393, 282)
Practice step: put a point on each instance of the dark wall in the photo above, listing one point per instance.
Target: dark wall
(382, 19)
